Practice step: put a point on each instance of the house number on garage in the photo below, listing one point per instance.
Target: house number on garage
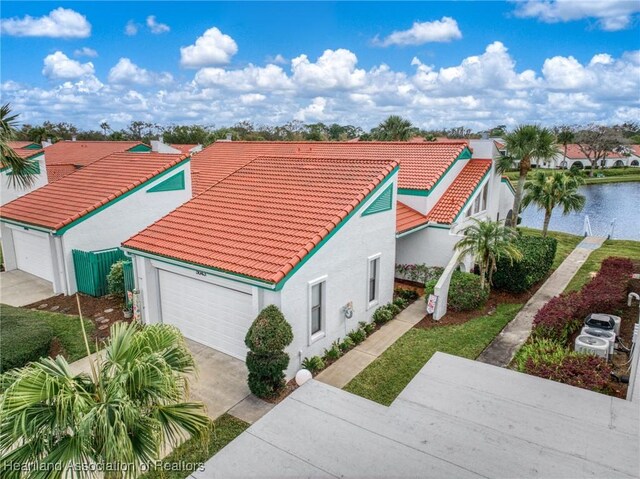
(201, 273)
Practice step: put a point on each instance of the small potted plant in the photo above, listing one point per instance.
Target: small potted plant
(127, 312)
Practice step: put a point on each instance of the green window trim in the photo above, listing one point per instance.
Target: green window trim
(174, 183)
(33, 146)
(384, 202)
(509, 185)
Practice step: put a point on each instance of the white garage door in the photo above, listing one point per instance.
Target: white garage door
(213, 315)
(33, 253)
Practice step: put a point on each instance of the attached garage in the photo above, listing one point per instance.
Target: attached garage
(214, 315)
(33, 253)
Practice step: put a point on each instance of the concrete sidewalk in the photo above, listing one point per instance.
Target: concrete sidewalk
(18, 288)
(352, 363)
(504, 346)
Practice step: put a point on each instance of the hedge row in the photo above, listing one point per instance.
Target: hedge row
(606, 292)
(537, 258)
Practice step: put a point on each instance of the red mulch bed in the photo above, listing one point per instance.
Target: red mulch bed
(93, 309)
(496, 298)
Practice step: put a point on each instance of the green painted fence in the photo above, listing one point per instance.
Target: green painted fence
(129, 281)
(92, 268)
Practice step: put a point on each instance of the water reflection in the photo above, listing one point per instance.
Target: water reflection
(619, 201)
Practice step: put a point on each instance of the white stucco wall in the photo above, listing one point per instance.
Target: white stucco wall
(9, 192)
(343, 260)
(432, 246)
(123, 219)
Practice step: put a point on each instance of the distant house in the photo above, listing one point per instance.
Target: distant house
(32, 152)
(575, 158)
(65, 157)
(314, 236)
(94, 208)
(161, 147)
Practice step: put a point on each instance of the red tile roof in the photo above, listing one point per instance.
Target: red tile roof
(499, 145)
(184, 148)
(58, 204)
(635, 149)
(422, 163)
(56, 172)
(263, 219)
(575, 153)
(463, 186)
(20, 144)
(26, 152)
(407, 218)
(85, 152)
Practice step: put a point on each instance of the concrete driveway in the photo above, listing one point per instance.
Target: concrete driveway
(18, 288)
(221, 384)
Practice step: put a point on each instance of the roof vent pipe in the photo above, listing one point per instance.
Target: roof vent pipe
(74, 137)
(228, 136)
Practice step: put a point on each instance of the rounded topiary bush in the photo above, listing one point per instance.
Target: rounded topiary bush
(266, 339)
(465, 291)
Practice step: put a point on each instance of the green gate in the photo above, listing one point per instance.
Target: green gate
(129, 281)
(92, 268)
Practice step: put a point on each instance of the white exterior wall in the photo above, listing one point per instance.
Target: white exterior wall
(556, 162)
(9, 192)
(432, 246)
(506, 200)
(344, 261)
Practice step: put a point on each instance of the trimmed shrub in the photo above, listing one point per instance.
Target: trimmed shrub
(313, 364)
(23, 341)
(408, 295)
(367, 327)
(395, 310)
(580, 370)
(346, 344)
(382, 315)
(542, 351)
(115, 279)
(465, 292)
(400, 303)
(564, 314)
(357, 336)
(537, 258)
(267, 338)
(332, 353)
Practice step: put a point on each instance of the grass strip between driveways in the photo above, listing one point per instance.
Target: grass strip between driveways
(622, 248)
(182, 460)
(388, 375)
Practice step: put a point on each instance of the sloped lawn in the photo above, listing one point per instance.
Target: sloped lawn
(26, 335)
(388, 375)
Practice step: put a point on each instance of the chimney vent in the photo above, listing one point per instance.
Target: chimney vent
(74, 137)
(229, 137)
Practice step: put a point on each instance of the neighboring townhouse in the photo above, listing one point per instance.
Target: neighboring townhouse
(436, 183)
(94, 208)
(160, 146)
(33, 152)
(314, 236)
(575, 158)
(65, 157)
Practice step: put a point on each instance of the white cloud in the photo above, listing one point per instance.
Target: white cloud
(127, 72)
(334, 69)
(443, 30)
(478, 91)
(278, 59)
(59, 66)
(85, 52)
(212, 48)
(131, 28)
(59, 23)
(611, 15)
(155, 26)
(268, 78)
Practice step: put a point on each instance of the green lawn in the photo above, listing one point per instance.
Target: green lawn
(21, 328)
(611, 175)
(566, 243)
(623, 248)
(388, 375)
(224, 430)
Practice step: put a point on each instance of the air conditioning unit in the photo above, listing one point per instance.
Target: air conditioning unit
(592, 345)
(608, 336)
(604, 321)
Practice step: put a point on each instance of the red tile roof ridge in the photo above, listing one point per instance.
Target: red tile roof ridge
(328, 142)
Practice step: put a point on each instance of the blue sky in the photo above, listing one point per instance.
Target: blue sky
(448, 64)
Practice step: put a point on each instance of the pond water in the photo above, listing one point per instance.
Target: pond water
(605, 203)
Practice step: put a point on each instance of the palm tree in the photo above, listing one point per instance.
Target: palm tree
(564, 136)
(524, 144)
(124, 413)
(555, 189)
(394, 128)
(23, 173)
(488, 241)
